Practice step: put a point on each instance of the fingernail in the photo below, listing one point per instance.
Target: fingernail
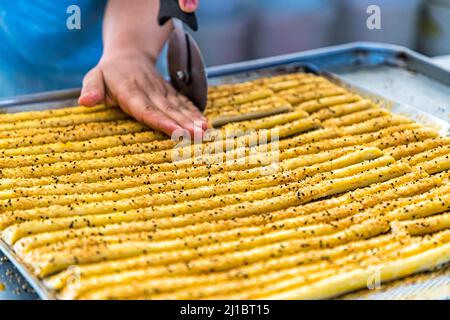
(190, 5)
(205, 125)
(204, 120)
(90, 96)
(201, 125)
(84, 99)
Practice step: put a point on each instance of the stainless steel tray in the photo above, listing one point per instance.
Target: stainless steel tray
(409, 82)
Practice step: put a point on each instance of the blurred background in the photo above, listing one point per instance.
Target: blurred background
(236, 30)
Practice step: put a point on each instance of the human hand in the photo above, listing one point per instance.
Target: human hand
(128, 78)
(126, 73)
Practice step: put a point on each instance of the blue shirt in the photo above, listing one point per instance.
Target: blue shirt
(38, 52)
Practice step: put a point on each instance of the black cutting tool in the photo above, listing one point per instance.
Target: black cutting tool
(185, 60)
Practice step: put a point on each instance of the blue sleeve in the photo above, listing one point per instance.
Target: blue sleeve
(39, 53)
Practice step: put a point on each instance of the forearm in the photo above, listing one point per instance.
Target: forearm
(126, 74)
(133, 24)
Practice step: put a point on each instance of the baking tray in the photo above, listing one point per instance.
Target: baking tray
(401, 78)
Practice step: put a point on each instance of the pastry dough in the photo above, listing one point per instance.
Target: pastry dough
(308, 198)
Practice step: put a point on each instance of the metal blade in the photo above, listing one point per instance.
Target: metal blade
(186, 66)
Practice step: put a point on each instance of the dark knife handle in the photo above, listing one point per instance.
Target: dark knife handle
(169, 9)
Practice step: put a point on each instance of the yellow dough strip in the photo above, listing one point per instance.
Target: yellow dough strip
(93, 274)
(220, 283)
(242, 98)
(355, 117)
(214, 94)
(120, 150)
(164, 252)
(148, 196)
(327, 188)
(61, 168)
(379, 209)
(344, 109)
(435, 165)
(231, 87)
(173, 192)
(242, 89)
(348, 281)
(238, 223)
(281, 83)
(319, 226)
(75, 133)
(373, 268)
(220, 256)
(423, 225)
(160, 177)
(274, 206)
(88, 145)
(427, 155)
(42, 114)
(102, 180)
(387, 136)
(403, 137)
(296, 98)
(424, 208)
(327, 140)
(215, 174)
(253, 161)
(374, 124)
(13, 233)
(107, 173)
(414, 148)
(291, 84)
(315, 105)
(46, 239)
(265, 123)
(266, 103)
(319, 135)
(110, 115)
(220, 119)
(254, 286)
(290, 87)
(137, 176)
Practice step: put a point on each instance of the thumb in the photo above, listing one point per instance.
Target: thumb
(188, 5)
(93, 91)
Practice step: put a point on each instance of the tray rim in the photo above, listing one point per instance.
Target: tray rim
(38, 286)
(390, 51)
(420, 62)
(415, 59)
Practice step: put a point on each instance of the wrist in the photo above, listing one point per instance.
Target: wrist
(128, 51)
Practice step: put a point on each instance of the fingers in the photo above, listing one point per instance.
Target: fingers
(185, 105)
(136, 103)
(189, 110)
(174, 105)
(110, 102)
(188, 5)
(93, 91)
(147, 97)
(182, 111)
